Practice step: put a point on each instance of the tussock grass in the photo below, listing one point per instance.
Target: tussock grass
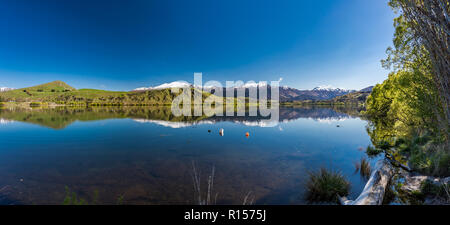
(72, 199)
(364, 168)
(325, 186)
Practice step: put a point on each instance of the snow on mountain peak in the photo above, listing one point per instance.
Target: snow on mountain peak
(2, 89)
(328, 88)
(182, 84)
(254, 84)
(176, 84)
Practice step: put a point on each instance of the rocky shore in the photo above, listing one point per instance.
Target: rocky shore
(411, 185)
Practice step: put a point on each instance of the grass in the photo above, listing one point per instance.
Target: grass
(428, 193)
(200, 198)
(427, 187)
(364, 168)
(427, 154)
(430, 159)
(62, 94)
(37, 92)
(72, 199)
(441, 191)
(435, 192)
(208, 196)
(326, 185)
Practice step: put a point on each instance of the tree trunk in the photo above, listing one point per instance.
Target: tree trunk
(373, 193)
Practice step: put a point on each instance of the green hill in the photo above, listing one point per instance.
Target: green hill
(55, 86)
(60, 93)
(36, 92)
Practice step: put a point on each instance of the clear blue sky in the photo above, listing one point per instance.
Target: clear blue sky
(121, 45)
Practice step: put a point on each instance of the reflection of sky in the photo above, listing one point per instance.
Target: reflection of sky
(172, 124)
(321, 115)
(259, 123)
(272, 162)
(331, 120)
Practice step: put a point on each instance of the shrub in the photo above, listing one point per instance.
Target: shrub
(35, 104)
(427, 188)
(384, 145)
(372, 151)
(431, 159)
(325, 186)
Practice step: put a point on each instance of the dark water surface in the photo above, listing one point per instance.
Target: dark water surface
(146, 156)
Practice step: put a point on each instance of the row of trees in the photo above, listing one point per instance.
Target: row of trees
(428, 24)
(414, 100)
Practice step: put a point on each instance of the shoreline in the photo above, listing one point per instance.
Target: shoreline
(412, 188)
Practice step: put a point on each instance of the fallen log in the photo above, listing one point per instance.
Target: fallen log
(373, 193)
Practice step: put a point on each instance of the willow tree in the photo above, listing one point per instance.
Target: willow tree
(427, 25)
(409, 111)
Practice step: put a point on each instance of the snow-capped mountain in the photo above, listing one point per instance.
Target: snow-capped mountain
(324, 87)
(2, 89)
(318, 93)
(176, 84)
(253, 85)
(286, 93)
(182, 84)
(328, 88)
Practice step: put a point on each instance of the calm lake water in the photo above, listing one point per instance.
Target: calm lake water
(146, 156)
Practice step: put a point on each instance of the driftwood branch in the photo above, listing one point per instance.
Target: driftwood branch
(373, 193)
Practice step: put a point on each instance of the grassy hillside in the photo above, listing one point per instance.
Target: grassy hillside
(60, 93)
(36, 92)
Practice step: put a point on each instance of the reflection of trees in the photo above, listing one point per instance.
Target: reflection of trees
(60, 117)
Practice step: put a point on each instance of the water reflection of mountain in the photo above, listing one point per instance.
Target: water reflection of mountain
(59, 118)
(318, 113)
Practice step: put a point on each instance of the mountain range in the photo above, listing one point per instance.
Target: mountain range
(287, 94)
(61, 93)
